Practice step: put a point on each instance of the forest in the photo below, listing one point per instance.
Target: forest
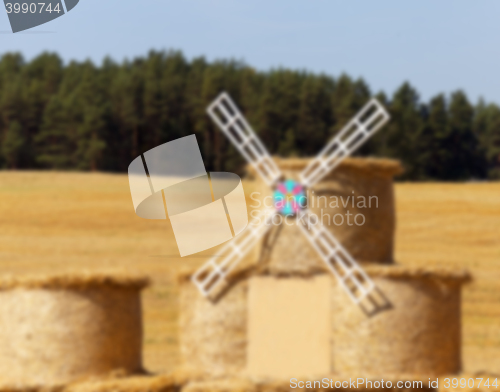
(82, 116)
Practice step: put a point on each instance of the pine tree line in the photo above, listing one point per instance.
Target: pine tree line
(86, 117)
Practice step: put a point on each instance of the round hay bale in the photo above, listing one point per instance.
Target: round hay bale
(355, 202)
(57, 329)
(420, 332)
(416, 331)
(318, 384)
(213, 333)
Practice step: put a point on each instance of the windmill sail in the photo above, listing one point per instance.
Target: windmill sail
(366, 122)
(211, 274)
(350, 275)
(228, 118)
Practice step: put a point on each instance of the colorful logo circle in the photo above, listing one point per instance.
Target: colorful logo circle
(289, 197)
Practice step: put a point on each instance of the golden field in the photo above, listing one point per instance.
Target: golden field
(57, 222)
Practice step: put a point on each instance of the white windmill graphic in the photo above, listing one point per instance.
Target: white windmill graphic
(350, 275)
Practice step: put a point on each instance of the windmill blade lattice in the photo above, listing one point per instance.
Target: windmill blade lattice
(350, 275)
(228, 118)
(364, 125)
(211, 274)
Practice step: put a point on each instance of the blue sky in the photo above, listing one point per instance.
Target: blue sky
(439, 46)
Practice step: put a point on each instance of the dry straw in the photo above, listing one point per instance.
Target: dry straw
(419, 333)
(56, 329)
(213, 334)
(168, 383)
(246, 385)
(355, 202)
(162, 383)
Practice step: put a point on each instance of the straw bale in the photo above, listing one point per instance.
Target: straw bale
(436, 273)
(57, 329)
(394, 271)
(84, 280)
(420, 332)
(221, 385)
(161, 383)
(359, 188)
(14, 388)
(166, 383)
(149, 383)
(213, 333)
(372, 166)
(287, 250)
(282, 385)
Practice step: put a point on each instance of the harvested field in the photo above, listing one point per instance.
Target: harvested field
(66, 222)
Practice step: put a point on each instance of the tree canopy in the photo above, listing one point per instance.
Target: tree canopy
(80, 116)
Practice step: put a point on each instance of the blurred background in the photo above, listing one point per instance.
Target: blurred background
(83, 95)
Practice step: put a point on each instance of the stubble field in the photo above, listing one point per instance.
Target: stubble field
(58, 222)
